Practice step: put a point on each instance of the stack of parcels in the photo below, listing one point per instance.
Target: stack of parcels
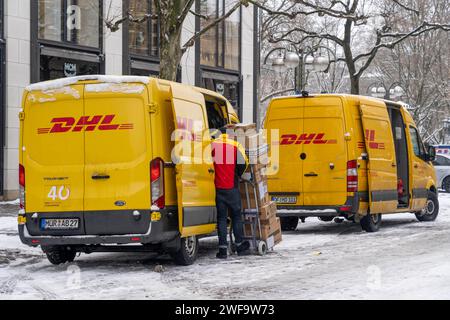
(257, 200)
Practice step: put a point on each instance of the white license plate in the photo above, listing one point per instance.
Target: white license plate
(59, 224)
(284, 200)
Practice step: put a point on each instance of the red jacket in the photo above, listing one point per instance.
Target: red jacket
(230, 162)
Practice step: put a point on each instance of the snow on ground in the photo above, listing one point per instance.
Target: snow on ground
(406, 259)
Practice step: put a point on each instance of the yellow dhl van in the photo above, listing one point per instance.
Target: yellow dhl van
(96, 171)
(350, 156)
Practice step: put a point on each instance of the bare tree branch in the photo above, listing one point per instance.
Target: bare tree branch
(212, 24)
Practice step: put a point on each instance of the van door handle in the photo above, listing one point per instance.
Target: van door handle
(211, 170)
(100, 177)
(394, 165)
(311, 174)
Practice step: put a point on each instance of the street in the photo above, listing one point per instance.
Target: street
(406, 259)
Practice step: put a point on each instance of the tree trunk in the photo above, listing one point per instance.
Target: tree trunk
(170, 55)
(170, 52)
(354, 84)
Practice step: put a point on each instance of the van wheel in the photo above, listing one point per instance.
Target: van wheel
(289, 223)
(446, 185)
(371, 222)
(431, 210)
(188, 251)
(58, 255)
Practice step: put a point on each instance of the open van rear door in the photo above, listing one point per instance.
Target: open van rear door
(194, 168)
(382, 171)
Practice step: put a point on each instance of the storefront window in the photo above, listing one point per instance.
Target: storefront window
(232, 26)
(50, 12)
(76, 27)
(228, 88)
(143, 36)
(220, 46)
(73, 21)
(83, 22)
(208, 55)
(59, 67)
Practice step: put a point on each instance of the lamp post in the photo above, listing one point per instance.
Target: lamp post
(446, 130)
(379, 90)
(298, 59)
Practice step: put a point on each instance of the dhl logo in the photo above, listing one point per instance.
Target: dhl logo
(370, 138)
(85, 123)
(305, 138)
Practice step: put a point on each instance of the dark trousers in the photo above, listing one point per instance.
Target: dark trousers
(229, 199)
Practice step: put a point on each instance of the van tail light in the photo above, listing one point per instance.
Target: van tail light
(157, 183)
(21, 187)
(352, 176)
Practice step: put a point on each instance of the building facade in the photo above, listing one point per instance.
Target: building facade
(48, 39)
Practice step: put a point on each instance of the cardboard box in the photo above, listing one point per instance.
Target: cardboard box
(260, 175)
(268, 211)
(278, 237)
(267, 230)
(243, 126)
(270, 220)
(262, 191)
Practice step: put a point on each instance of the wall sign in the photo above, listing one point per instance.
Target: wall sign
(70, 69)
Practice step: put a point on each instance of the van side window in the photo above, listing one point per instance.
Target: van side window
(216, 119)
(417, 145)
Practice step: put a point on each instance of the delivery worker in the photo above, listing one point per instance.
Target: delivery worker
(230, 162)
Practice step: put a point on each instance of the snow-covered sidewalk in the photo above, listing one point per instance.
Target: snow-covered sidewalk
(405, 259)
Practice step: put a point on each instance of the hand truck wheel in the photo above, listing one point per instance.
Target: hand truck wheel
(262, 248)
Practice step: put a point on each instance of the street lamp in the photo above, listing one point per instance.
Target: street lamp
(379, 90)
(299, 60)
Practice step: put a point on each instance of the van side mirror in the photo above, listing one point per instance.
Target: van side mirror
(431, 154)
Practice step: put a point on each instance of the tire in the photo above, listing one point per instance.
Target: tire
(289, 223)
(326, 219)
(187, 254)
(431, 210)
(371, 222)
(262, 248)
(57, 255)
(446, 184)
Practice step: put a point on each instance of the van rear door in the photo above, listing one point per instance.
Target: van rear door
(116, 132)
(286, 118)
(325, 152)
(194, 167)
(53, 158)
(382, 171)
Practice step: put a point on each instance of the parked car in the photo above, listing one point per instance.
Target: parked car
(442, 167)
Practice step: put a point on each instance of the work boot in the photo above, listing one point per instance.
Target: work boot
(243, 249)
(222, 254)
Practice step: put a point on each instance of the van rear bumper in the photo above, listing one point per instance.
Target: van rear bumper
(158, 232)
(350, 207)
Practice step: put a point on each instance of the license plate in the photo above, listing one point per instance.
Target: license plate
(284, 200)
(59, 224)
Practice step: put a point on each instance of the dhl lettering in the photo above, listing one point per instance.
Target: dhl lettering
(85, 123)
(372, 144)
(305, 138)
